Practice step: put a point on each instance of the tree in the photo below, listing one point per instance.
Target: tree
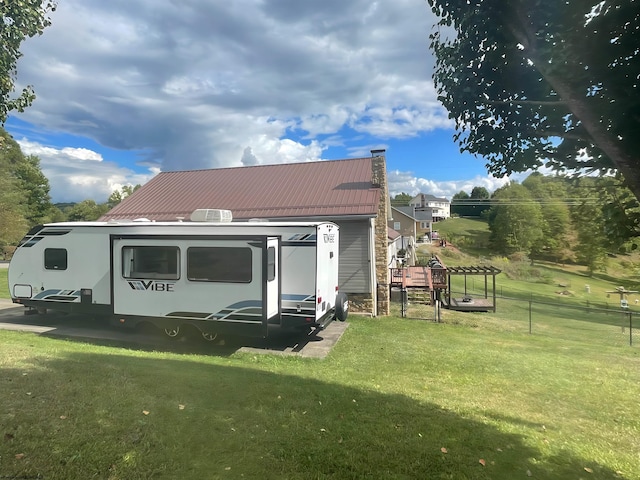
(35, 186)
(619, 212)
(118, 195)
(533, 82)
(86, 211)
(461, 195)
(515, 220)
(551, 194)
(592, 242)
(460, 204)
(13, 225)
(473, 205)
(401, 200)
(20, 20)
(30, 186)
(480, 193)
(9, 191)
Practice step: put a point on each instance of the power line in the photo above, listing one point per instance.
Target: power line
(492, 202)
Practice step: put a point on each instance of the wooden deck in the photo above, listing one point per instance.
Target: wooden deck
(436, 281)
(411, 277)
(476, 305)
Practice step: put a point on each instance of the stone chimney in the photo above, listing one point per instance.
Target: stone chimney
(378, 168)
(379, 180)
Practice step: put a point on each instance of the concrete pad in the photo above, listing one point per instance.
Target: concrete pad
(317, 344)
(7, 304)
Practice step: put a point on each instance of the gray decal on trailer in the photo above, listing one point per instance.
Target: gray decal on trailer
(152, 285)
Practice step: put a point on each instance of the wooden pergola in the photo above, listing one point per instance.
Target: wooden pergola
(467, 303)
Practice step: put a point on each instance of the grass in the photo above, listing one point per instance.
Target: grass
(469, 234)
(474, 397)
(4, 284)
(390, 397)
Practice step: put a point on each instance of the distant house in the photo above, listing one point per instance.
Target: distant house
(353, 193)
(394, 246)
(410, 222)
(438, 208)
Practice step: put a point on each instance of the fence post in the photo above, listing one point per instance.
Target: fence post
(530, 309)
(404, 301)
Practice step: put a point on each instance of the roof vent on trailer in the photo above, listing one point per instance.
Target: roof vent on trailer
(211, 215)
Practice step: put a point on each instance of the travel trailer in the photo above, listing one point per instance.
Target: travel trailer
(219, 276)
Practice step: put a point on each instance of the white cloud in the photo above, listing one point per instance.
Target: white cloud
(81, 154)
(76, 174)
(196, 83)
(202, 84)
(407, 182)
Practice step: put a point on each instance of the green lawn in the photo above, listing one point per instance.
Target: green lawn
(469, 234)
(4, 284)
(474, 397)
(396, 398)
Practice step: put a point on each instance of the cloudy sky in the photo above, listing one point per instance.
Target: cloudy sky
(126, 89)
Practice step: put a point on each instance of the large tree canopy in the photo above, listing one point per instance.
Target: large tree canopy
(20, 20)
(535, 81)
(24, 191)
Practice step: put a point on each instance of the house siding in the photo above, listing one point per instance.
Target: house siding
(355, 255)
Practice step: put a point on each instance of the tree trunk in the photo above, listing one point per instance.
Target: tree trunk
(624, 161)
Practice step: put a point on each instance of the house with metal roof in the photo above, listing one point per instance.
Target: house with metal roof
(352, 193)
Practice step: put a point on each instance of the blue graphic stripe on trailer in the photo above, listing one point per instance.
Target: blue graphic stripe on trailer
(299, 298)
(31, 242)
(61, 298)
(246, 313)
(50, 294)
(247, 310)
(54, 232)
(302, 237)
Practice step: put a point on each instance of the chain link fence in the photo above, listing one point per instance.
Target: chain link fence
(606, 324)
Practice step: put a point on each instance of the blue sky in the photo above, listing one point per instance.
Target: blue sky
(128, 89)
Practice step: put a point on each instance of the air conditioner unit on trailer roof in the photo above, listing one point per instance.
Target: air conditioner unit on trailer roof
(212, 215)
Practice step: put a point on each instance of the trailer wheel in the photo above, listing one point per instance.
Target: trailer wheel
(342, 306)
(172, 332)
(209, 336)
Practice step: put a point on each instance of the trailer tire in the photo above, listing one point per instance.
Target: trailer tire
(209, 336)
(173, 332)
(342, 307)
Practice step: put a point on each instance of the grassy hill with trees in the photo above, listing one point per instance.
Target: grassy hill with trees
(469, 244)
(555, 219)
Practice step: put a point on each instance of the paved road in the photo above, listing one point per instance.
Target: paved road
(4, 264)
(78, 327)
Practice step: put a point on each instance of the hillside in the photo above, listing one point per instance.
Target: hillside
(468, 245)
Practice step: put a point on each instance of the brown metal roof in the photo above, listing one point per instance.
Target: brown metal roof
(311, 189)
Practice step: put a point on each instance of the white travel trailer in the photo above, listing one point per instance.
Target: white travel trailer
(232, 278)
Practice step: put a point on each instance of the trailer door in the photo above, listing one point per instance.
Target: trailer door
(272, 296)
(327, 269)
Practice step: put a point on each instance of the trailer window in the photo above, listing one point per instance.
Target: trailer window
(150, 262)
(55, 258)
(271, 263)
(219, 264)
